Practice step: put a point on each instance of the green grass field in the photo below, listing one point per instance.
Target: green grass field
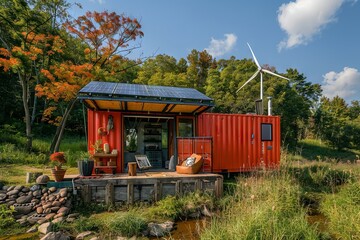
(261, 205)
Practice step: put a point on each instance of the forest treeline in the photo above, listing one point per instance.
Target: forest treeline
(47, 56)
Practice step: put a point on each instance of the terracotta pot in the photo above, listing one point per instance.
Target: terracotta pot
(58, 174)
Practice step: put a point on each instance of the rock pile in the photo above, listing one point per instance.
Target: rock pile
(37, 204)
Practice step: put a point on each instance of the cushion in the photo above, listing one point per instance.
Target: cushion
(189, 161)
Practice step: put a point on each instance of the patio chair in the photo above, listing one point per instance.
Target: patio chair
(191, 165)
(142, 162)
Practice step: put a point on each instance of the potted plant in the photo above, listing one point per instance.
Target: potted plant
(86, 164)
(57, 160)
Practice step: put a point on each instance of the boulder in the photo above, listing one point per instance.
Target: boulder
(12, 192)
(56, 204)
(2, 196)
(73, 215)
(43, 179)
(19, 187)
(45, 228)
(83, 235)
(35, 187)
(25, 189)
(39, 210)
(58, 220)
(50, 216)
(32, 229)
(10, 188)
(52, 189)
(23, 209)
(54, 209)
(36, 193)
(63, 192)
(24, 199)
(64, 210)
(160, 230)
(56, 236)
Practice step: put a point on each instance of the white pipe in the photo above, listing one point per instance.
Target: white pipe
(269, 106)
(261, 85)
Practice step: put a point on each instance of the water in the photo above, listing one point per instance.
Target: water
(188, 230)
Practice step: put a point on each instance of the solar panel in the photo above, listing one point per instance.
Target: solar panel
(126, 89)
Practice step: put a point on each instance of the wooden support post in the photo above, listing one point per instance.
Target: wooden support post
(157, 191)
(130, 193)
(218, 187)
(31, 176)
(86, 193)
(178, 188)
(198, 185)
(109, 194)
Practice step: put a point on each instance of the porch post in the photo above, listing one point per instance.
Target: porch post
(175, 143)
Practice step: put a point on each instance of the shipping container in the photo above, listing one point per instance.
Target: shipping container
(241, 142)
(161, 122)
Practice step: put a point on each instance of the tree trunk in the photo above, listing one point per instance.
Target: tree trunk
(25, 98)
(55, 144)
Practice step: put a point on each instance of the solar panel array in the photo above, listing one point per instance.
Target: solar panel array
(126, 89)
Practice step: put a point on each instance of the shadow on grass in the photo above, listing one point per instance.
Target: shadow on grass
(314, 150)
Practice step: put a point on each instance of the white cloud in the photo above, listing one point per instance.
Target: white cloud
(345, 84)
(219, 47)
(99, 1)
(303, 19)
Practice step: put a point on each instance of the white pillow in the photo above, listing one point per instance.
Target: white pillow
(189, 161)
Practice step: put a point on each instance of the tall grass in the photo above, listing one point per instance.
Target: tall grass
(343, 212)
(263, 207)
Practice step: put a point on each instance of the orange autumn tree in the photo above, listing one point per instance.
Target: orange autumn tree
(26, 60)
(107, 37)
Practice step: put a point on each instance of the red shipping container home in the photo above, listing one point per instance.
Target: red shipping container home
(161, 122)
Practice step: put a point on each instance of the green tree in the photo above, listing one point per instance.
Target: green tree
(197, 71)
(331, 120)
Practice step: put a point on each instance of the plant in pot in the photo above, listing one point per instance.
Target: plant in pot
(86, 164)
(57, 160)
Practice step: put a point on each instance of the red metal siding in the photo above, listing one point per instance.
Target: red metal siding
(237, 144)
(201, 146)
(97, 119)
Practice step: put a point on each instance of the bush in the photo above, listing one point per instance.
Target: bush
(6, 218)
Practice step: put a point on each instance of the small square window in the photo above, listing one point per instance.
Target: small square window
(266, 132)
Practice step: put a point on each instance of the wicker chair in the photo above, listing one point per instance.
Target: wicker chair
(194, 168)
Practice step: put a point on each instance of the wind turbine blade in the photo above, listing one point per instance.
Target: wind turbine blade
(252, 77)
(277, 75)
(256, 61)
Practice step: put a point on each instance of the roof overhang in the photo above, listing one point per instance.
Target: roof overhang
(143, 98)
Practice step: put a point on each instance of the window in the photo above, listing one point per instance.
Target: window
(186, 127)
(266, 132)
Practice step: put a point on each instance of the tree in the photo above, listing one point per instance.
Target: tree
(163, 70)
(26, 46)
(106, 36)
(197, 71)
(331, 120)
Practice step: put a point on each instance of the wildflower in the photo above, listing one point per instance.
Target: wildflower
(58, 159)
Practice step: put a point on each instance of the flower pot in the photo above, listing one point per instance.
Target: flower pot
(58, 174)
(85, 167)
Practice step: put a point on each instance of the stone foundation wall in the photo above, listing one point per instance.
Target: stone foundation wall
(37, 204)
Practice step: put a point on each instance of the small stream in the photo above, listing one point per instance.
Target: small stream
(188, 230)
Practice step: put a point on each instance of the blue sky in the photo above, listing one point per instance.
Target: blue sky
(320, 38)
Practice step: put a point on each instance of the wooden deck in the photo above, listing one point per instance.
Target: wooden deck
(146, 186)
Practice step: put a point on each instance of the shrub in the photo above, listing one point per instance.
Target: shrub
(6, 218)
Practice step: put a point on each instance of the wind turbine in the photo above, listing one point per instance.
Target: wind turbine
(261, 71)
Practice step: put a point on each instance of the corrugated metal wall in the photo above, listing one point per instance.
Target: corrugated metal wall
(97, 119)
(237, 144)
